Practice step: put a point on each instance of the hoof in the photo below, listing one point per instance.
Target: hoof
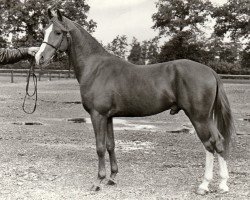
(201, 191)
(223, 189)
(111, 182)
(95, 188)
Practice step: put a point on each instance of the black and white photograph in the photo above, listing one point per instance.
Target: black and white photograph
(124, 99)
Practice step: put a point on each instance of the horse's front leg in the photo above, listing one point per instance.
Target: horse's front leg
(100, 128)
(111, 150)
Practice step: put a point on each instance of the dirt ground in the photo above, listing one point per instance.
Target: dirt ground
(159, 157)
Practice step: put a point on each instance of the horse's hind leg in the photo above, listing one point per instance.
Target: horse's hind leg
(208, 176)
(209, 135)
(212, 141)
(111, 150)
(223, 174)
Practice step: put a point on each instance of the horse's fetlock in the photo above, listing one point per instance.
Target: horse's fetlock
(209, 146)
(102, 175)
(114, 169)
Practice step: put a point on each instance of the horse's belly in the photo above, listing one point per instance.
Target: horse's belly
(142, 107)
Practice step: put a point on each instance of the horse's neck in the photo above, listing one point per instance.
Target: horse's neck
(83, 45)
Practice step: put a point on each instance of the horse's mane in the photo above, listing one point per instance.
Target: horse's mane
(94, 43)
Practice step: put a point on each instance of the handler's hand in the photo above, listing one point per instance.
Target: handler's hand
(33, 50)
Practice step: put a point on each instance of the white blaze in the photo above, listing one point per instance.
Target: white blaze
(42, 47)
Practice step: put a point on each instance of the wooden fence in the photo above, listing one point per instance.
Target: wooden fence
(48, 74)
(58, 74)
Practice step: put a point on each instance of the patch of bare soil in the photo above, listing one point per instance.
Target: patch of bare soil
(47, 156)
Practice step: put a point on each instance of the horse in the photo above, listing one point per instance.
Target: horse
(112, 87)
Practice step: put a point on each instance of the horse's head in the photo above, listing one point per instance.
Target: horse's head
(56, 38)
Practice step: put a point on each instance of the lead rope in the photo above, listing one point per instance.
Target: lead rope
(69, 39)
(27, 94)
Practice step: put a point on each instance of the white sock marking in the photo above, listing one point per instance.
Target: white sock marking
(208, 171)
(223, 174)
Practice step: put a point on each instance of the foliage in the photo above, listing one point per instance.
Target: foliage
(182, 20)
(145, 52)
(135, 55)
(25, 19)
(245, 57)
(222, 67)
(153, 50)
(174, 16)
(183, 46)
(233, 18)
(3, 43)
(118, 46)
(224, 51)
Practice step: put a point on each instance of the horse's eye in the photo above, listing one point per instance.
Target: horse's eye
(58, 33)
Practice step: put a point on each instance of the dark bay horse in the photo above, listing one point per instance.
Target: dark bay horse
(112, 87)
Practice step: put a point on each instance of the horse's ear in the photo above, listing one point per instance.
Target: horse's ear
(50, 13)
(59, 15)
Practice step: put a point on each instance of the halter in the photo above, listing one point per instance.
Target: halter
(65, 32)
(33, 75)
(58, 47)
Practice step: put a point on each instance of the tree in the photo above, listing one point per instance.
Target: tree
(180, 47)
(223, 51)
(118, 46)
(25, 19)
(233, 18)
(145, 52)
(135, 55)
(245, 57)
(175, 16)
(153, 50)
(182, 21)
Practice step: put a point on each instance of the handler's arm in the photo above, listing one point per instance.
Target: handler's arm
(14, 55)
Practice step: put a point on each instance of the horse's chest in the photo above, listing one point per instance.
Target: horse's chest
(99, 101)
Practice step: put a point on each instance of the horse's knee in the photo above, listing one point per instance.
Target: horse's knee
(110, 147)
(100, 150)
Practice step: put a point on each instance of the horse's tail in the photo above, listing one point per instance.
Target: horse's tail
(223, 115)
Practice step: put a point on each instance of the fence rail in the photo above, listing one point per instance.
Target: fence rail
(230, 76)
(70, 74)
(40, 73)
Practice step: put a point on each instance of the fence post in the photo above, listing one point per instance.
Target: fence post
(49, 76)
(39, 76)
(59, 75)
(12, 76)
